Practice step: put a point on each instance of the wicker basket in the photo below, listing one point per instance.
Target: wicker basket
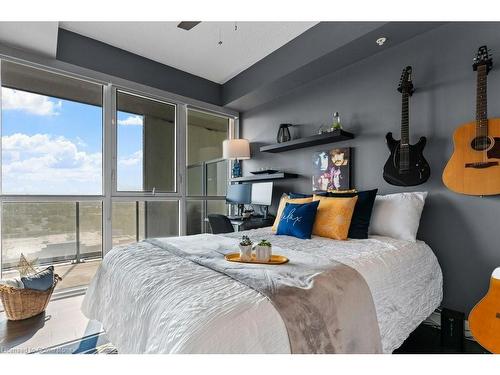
(24, 303)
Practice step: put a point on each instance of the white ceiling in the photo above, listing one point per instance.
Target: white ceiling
(196, 51)
(39, 37)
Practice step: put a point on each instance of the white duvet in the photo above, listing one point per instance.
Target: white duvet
(150, 301)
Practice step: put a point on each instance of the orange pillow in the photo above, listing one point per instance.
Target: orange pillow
(283, 201)
(333, 217)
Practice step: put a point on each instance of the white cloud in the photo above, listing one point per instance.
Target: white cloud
(32, 103)
(134, 159)
(44, 164)
(131, 120)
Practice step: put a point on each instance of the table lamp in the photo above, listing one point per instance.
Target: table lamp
(236, 149)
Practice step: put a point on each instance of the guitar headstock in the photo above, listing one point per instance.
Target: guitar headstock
(405, 82)
(483, 57)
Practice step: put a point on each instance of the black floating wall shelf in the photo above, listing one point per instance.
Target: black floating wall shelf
(264, 177)
(315, 140)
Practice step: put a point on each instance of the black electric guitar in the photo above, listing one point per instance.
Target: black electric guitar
(406, 165)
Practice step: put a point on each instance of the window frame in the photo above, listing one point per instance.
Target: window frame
(110, 85)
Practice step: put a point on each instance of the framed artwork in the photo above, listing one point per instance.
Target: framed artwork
(332, 170)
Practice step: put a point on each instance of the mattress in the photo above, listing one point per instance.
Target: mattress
(150, 301)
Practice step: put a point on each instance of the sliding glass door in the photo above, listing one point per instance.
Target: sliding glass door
(207, 172)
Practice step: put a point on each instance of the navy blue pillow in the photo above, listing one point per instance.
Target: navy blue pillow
(362, 214)
(42, 280)
(297, 220)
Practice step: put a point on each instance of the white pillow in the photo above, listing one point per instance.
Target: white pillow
(14, 283)
(397, 215)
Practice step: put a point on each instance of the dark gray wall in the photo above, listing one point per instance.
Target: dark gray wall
(91, 54)
(302, 50)
(321, 50)
(463, 231)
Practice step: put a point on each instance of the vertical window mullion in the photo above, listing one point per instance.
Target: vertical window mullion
(181, 151)
(137, 225)
(1, 192)
(77, 231)
(109, 164)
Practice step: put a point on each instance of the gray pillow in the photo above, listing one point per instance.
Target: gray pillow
(42, 280)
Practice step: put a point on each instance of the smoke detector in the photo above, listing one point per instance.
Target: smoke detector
(380, 41)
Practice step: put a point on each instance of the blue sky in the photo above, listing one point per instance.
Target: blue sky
(129, 151)
(54, 146)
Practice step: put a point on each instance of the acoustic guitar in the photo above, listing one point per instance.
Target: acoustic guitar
(484, 319)
(474, 167)
(406, 166)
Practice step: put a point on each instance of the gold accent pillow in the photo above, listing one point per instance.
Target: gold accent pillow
(283, 201)
(333, 217)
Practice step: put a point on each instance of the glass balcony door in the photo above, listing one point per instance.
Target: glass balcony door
(207, 172)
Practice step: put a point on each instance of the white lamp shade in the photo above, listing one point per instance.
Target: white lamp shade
(236, 149)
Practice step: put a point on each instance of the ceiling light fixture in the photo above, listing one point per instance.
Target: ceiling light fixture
(380, 41)
(187, 25)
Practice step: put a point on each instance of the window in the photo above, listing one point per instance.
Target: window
(135, 221)
(51, 133)
(145, 144)
(52, 148)
(146, 167)
(207, 172)
(86, 166)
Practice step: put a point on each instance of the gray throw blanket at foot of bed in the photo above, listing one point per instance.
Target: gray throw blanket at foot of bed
(326, 306)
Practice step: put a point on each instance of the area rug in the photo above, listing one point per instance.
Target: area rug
(93, 344)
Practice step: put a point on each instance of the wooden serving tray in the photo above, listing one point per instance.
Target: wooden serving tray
(275, 259)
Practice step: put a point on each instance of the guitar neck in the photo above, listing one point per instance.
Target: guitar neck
(481, 102)
(405, 119)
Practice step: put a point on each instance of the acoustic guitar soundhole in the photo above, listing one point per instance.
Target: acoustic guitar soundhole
(481, 143)
(498, 315)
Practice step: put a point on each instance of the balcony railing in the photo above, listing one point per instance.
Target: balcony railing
(51, 232)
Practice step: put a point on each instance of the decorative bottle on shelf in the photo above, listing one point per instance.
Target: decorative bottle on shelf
(283, 133)
(336, 125)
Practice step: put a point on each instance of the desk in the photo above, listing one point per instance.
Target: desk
(240, 224)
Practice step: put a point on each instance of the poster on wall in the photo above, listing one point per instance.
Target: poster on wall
(332, 170)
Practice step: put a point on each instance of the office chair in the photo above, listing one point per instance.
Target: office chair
(220, 224)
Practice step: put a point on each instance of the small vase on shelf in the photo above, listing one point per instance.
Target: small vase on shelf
(336, 125)
(284, 133)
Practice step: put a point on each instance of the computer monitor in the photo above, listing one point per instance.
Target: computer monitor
(239, 194)
(262, 193)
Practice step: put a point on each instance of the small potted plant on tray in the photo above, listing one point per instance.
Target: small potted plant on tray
(246, 249)
(263, 251)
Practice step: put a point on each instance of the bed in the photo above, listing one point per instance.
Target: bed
(152, 301)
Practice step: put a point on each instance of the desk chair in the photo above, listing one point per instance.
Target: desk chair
(220, 224)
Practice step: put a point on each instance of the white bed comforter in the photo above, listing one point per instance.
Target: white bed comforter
(150, 301)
